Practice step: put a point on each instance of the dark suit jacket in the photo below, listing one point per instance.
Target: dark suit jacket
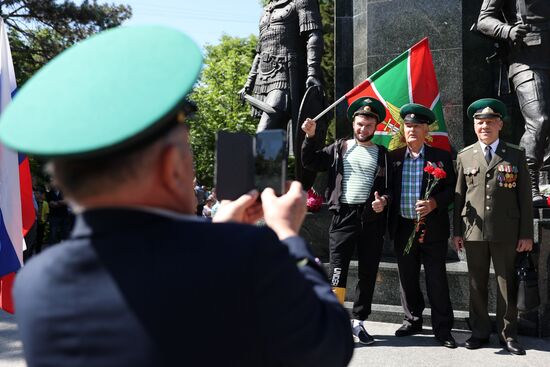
(133, 288)
(437, 222)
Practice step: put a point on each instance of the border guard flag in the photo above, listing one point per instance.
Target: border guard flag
(15, 189)
(409, 78)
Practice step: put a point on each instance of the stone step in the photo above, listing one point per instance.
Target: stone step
(386, 291)
(387, 307)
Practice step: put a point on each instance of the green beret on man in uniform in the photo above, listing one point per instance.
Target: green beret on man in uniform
(367, 106)
(486, 108)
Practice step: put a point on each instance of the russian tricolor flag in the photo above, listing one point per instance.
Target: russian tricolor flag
(16, 207)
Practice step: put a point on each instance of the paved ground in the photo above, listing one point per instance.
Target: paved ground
(11, 352)
(423, 350)
(388, 351)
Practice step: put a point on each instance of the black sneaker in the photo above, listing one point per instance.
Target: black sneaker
(360, 335)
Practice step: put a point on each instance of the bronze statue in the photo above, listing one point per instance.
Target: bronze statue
(525, 26)
(287, 62)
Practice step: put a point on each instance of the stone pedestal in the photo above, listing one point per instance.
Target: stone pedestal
(315, 231)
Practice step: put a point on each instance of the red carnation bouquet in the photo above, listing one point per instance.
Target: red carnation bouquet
(435, 173)
(314, 201)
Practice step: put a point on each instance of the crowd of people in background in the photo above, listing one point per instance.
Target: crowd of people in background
(207, 202)
(54, 219)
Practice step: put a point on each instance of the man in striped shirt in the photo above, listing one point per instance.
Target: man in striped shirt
(357, 197)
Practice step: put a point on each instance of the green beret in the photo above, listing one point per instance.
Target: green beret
(116, 89)
(414, 112)
(487, 108)
(367, 106)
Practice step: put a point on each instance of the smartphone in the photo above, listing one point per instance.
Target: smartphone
(234, 167)
(270, 160)
(245, 162)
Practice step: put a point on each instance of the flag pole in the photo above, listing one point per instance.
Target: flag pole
(329, 108)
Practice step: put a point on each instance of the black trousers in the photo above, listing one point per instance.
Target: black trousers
(432, 256)
(348, 231)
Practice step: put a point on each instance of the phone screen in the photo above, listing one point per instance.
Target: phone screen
(270, 160)
(234, 165)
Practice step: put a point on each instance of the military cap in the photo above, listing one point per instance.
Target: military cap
(414, 112)
(367, 106)
(487, 108)
(119, 88)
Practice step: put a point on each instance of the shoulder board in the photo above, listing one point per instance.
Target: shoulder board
(467, 148)
(514, 146)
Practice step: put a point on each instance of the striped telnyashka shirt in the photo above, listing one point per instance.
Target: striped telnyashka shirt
(360, 164)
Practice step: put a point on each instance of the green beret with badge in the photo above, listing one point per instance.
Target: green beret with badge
(367, 106)
(486, 108)
(416, 113)
(115, 90)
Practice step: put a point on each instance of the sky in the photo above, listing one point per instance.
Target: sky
(203, 20)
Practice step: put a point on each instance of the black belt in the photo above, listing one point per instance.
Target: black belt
(352, 206)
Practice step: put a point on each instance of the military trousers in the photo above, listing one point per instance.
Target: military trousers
(432, 255)
(349, 232)
(479, 255)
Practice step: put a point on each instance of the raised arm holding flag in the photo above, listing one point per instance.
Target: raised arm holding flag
(409, 78)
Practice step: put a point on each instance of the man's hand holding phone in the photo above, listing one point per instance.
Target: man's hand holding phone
(284, 214)
(245, 209)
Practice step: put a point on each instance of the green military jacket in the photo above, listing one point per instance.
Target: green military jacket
(493, 201)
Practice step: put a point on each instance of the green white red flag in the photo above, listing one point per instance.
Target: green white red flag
(409, 78)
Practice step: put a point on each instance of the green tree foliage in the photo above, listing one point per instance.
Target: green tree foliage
(40, 29)
(327, 64)
(225, 72)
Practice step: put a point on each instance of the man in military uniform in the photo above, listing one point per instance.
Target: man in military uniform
(525, 25)
(287, 62)
(138, 269)
(358, 193)
(493, 219)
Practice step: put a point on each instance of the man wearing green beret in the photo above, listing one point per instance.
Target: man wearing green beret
(138, 283)
(409, 208)
(357, 195)
(493, 219)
